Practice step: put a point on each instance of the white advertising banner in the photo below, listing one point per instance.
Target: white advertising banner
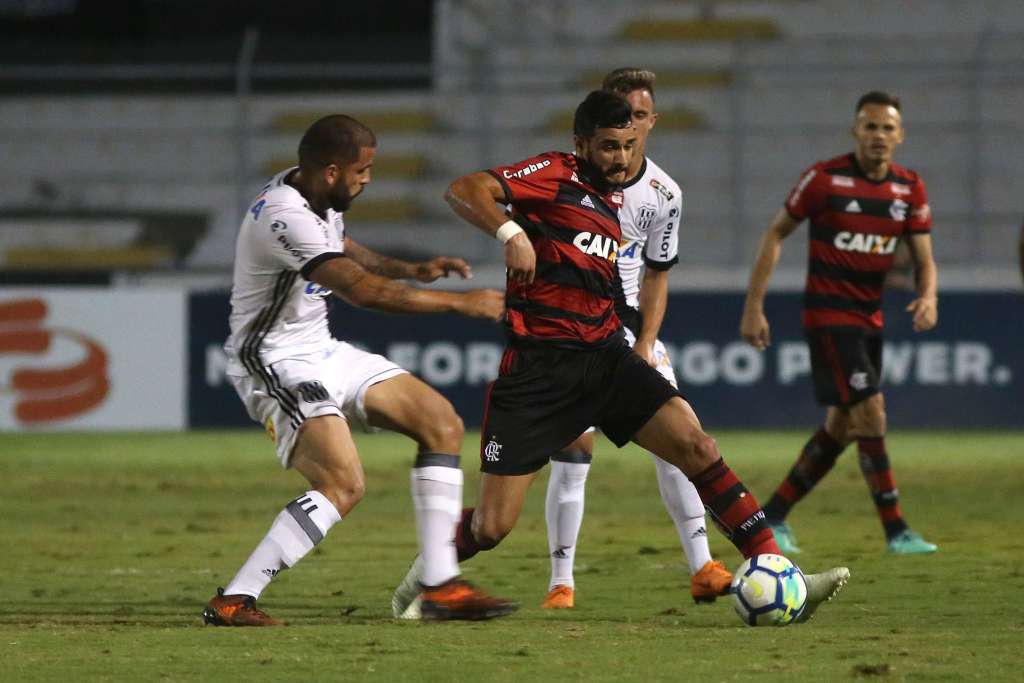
(85, 358)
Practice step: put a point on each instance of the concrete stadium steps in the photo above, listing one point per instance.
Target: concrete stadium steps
(773, 161)
(841, 17)
(863, 53)
(517, 111)
(381, 121)
(695, 78)
(675, 119)
(72, 259)
(609, 53)
(429, 236)
(152, 114)
(384, 166)
(384, 210)
(701, 29)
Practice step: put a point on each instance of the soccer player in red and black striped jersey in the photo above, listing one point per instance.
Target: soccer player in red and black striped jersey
(860, 206)
(567, 365)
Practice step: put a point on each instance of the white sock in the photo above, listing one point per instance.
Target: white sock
(301, 525)
(687, 511)
(437, 498)
(563, 509)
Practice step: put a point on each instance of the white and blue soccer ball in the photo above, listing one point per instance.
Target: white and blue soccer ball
(768, 590)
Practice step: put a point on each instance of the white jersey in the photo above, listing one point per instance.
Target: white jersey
(275, 311)
(650, 215)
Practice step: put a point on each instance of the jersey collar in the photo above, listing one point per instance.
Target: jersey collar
(863, 176)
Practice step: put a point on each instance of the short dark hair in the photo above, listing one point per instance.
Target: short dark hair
(629, 78)
(601, 109)
(334, 139)
(877, 97)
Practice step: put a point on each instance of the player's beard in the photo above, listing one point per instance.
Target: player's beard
(340, 199)
(599, 177)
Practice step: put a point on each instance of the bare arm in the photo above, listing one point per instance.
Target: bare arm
(353, 283)
(925, 308)
(475, 198)
(397, 269)
(653, 302)
(754, 326)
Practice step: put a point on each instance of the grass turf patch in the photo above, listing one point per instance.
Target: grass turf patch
(113, 543)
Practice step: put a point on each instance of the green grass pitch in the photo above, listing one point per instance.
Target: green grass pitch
(112, 543)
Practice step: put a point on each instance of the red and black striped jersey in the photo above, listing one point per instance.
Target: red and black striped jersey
(575, 232)
(856, 224)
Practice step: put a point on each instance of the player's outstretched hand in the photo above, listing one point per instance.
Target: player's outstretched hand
(442, 266)
(482, 303)
(754, 329)
(520, 259)
(925, 311)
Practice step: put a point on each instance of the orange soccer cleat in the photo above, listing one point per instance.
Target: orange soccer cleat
(560, 597)
(236, 610)
(459, 599)
(712, 580)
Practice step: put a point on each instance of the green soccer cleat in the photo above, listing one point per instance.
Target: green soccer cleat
(821, 588)
(784, 538)
(910, 543)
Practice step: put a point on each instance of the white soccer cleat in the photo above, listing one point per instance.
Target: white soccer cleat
(414, 611)
(821, 588)
(405, 601)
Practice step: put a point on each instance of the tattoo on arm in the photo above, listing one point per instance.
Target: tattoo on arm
(378, 264)
(355, 284)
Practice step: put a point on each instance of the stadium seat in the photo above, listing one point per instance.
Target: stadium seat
(366, 210)
(701, 29)
(387, 166)
(390, 120)
(671, 119)
(69, 259)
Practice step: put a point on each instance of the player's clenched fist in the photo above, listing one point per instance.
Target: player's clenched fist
(520, 259)
(483, 303)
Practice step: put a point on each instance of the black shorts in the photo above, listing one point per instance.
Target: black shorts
(846, 363)
(544, 398)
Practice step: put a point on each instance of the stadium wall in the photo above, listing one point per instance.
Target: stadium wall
(968, 372)
(151, 359)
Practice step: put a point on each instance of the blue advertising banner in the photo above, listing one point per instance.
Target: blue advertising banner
(968, 372)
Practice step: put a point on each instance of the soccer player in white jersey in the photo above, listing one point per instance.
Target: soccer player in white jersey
(308, 389)
(650, 217)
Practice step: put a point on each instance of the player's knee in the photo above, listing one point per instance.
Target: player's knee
(868, 418)
(442, 429)
(705, 450)
(838, 425)
(345, 493)
(694, 453)
(839, 430)
(489, 532)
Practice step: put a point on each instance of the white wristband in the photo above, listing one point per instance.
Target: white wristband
(507, 231)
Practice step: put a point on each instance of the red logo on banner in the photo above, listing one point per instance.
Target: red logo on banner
(55, 393)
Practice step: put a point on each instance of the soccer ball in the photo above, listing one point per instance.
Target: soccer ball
(768, 590)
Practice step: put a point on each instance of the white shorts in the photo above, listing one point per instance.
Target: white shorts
(330, 382)
(664, 364)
